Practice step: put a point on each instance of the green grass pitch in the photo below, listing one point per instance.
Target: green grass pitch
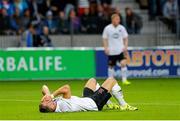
(155, 98)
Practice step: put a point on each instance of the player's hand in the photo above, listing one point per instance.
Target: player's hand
(47, 97)
(125, 49)
(106, 51)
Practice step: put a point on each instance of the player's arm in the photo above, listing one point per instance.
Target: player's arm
(45, 90)
(125, 40)
(65, 91)
(105, 41)
(105, 44)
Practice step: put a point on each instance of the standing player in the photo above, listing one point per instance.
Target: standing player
(115, 41)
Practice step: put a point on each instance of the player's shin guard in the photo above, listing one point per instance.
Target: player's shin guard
(117, 93)
(111, 72)
(124, 73)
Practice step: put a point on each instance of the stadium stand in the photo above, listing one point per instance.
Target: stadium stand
(69, 22)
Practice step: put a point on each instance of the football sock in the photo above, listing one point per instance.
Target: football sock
(97, 86)
(111, 72)
(124, 73)
(117, 93)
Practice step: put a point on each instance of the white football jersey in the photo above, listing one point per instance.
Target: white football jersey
(75, 104)
(115, 36)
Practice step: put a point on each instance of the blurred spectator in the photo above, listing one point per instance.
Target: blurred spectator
(26, 19)
(160, 7)
(89, 22)
(15, 22)
(170, 13)
(170, 9)
(32, 37)
(103, 19)
(6, 4)
(63, 25)
(93, 9)
(106, 4)
(133, 21)
(155, 8)
(51, 22)
(82, 5)
(59, 5)
(37, 42)
(43, 6)
(45, 37)
(74, 21)
(21, 5)
(4, 22)
(117, 10)
(32, 7)
(28, 35)
(85, 21)
(143, 3)
(60, 16)
(152, 9)
(94, 17)
(34, 10)
(94, 1)
(68, 9)
(100, 22)
(179, 6)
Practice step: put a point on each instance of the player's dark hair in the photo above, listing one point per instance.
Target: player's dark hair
(43, 108)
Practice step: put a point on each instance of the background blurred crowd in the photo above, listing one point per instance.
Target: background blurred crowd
(61, 16)
(168, 10)
(44, 17)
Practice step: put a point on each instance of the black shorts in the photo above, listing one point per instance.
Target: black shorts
(113, 59)
(100, 97)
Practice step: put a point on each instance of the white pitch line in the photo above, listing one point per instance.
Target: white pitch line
(143, 103)
(162, 104)
(15, 100)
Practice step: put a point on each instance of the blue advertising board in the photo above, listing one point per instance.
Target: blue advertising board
(144, 62)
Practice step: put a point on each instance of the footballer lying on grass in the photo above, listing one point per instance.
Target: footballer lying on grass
(94, 98)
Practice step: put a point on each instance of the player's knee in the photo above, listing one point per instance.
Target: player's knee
(123, 63)
(110, 78)
(92, 80)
